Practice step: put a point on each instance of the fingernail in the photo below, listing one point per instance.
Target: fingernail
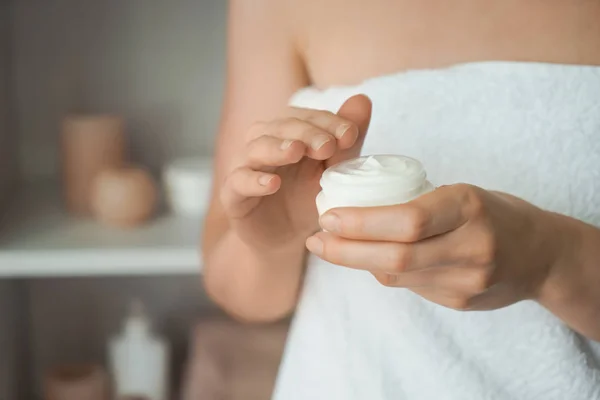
(330, 222)
(319, 142)
(265, 179)
(314, 245)
(286, 144)
(341, 130)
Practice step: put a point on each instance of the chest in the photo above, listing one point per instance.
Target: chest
(385, 36)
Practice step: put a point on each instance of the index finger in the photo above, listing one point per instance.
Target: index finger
(434, 213)
(344, 130)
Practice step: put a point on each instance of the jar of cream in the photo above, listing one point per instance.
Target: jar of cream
(371, 181)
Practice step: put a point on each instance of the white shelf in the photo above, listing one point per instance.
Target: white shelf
(39, 239)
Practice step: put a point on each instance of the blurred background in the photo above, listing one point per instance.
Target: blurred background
(108, 112)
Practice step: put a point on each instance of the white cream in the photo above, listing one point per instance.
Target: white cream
(371, 181)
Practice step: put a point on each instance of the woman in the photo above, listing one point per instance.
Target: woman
(494, 97)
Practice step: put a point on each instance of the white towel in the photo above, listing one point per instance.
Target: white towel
(529, 129)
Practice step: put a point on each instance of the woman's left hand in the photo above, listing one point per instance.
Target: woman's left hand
(459, 246)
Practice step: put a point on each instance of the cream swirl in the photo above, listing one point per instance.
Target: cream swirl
(377, 169)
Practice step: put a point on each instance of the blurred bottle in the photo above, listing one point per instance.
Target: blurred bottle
(139, 359)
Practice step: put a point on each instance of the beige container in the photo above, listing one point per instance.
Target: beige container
(90, 144)
(124, 197)
(76, 382)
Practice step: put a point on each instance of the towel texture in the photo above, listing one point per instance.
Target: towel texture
(532, 130)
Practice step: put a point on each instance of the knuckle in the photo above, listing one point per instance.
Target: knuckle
(223, 195)
(226, 191)
(319, 115)
(259, 148)
(251, 147)
(399, 258)
(458, 303)
(287, 123)
(232, 181)
(310, 131)
(328, 251)
(330, 121)
(294, 127)
(464, 188)
(486, 249)
(353, 223)
(417, 219)
(388, 280)
(276, 127)
(474, 200)
(479, 280)
(255, 130)
(333, 252)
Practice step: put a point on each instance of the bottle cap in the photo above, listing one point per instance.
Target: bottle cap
(137, 322)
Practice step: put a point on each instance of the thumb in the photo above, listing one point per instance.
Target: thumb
(358, 110)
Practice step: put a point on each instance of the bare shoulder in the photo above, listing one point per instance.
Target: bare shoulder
(273, 13)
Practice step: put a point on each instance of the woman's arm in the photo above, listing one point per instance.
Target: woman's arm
(572, 289)
(263, 71)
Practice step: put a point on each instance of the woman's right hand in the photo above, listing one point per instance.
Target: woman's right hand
(270, 197)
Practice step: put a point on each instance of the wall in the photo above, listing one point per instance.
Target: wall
(13, 356)
(12, 359)
(159, 63)
(7, 150)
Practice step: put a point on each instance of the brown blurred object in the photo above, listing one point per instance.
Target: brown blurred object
(76, 382)
(89, 145)
(231, 361)
(124, 197)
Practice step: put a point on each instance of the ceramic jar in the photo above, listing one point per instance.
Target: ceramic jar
(124, 197)
(188, 184)
(89, 145)
(76, 382)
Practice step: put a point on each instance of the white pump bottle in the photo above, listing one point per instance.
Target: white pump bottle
(139, 359)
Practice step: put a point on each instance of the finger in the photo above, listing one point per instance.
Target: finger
(358, 110)
(343, 129)
(465, 302)
(455, 301)
(389, 257)
(320, 144)
(435, 213)
(243, 189)
(427, 291)
(467, 280)
(440, 296)
(267, 152)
